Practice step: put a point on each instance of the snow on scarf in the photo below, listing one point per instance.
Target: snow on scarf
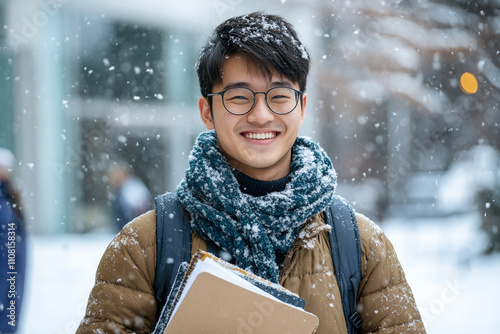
(251, 228)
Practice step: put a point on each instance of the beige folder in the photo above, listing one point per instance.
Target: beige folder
(214, 305)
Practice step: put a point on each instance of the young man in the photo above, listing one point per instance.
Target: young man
(259, 192)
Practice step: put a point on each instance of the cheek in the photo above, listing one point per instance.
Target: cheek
(224, 131)
(224, 122)
(293, 124)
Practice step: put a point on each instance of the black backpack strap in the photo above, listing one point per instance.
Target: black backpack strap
(346, 256)
(173, 243)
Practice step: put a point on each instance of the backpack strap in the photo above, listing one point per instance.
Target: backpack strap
(173, 243)
(346, 256)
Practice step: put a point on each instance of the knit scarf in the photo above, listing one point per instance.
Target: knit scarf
(250, 228)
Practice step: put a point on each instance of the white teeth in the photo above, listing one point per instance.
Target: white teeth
(267, 135)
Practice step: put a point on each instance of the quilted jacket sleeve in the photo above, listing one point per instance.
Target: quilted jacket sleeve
(386, 301)
(122, 299)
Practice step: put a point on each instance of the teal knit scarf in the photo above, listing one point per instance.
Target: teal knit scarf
(251, 228)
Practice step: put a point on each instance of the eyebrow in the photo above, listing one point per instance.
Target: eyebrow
(243, 84)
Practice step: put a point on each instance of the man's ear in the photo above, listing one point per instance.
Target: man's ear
(205, 113)
(303, 108)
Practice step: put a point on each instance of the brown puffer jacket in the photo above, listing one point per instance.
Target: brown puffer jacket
(123, 300)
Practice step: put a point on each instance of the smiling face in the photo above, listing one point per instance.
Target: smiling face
(258, 143)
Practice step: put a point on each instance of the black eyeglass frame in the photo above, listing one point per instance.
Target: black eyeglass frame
(298, 94)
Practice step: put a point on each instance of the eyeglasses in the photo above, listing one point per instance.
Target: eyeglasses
(240, 100)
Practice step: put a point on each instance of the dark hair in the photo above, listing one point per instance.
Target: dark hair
(268, 40)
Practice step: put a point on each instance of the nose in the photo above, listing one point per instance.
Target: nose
(260, 113)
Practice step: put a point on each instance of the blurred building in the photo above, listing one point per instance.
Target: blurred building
(87, 82)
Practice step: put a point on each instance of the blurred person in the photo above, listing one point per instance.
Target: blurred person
(130, 197)
(12, 247)
(258, 191)
(489, 205)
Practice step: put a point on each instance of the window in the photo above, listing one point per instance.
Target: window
(121, 61)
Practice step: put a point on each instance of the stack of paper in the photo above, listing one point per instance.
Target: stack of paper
(216, 297)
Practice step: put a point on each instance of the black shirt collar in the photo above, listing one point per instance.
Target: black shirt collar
(257, 188)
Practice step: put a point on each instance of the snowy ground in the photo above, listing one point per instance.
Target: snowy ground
(455, 286)
(456, 289)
